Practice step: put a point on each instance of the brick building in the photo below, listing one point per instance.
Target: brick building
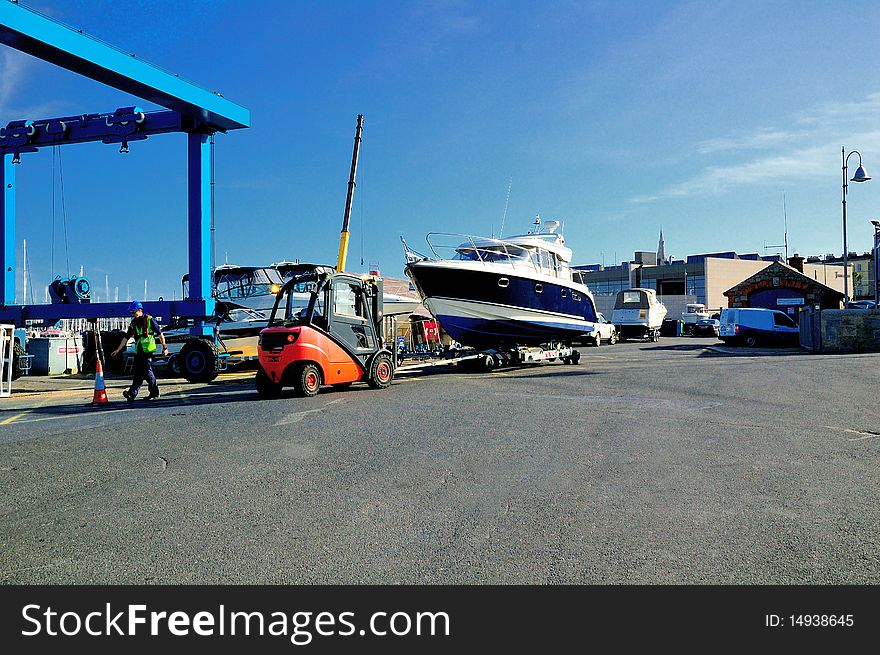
(785, 288)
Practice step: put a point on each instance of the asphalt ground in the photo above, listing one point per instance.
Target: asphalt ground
(647, 463)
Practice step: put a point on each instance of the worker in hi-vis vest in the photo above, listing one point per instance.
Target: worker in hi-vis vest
(144, 329)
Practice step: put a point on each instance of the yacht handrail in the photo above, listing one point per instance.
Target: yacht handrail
(483, 248)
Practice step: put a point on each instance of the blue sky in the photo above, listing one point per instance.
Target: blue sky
(614, 118)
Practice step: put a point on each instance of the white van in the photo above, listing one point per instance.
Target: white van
(753, 326)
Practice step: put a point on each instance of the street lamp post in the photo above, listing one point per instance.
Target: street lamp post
(876, 225)
(859, 176)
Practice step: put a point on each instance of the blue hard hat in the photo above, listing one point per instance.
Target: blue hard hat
(134, 306)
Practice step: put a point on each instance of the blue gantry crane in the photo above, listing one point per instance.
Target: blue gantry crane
(190, 109)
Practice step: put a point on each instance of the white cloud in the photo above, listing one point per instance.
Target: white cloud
(795, 156)
(12, 72)
(762, 138)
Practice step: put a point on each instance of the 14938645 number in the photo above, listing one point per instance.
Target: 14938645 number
(821, 620)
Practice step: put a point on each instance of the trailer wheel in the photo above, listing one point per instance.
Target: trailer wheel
(174, 364)
(613, 338)
(198, 361)
(655, 335)
(307, 379)
(598, 340)
(575, 357)
(18, 352)
(381, 371)
(265, 387)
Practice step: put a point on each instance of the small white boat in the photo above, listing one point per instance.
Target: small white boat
(694, 312)
(638, 314)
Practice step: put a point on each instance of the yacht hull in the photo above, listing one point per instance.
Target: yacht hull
(490, 306)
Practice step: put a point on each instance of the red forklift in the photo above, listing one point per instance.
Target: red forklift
(325, 329)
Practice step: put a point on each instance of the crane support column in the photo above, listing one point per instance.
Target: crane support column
(7, 230)
(199, 221)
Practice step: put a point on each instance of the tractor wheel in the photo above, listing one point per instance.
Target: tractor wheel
(307, 379)
(198, 361)
(265, 387)
(18, 352)
(381, 371)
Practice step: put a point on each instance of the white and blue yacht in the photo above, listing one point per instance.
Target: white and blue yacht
(514, 291)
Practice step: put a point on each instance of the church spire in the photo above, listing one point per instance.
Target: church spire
(661, 250)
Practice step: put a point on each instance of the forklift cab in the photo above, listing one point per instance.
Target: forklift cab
(325, 328)
(347, 306)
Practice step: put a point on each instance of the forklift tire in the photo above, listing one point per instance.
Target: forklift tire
(307, 379)
(265, 387)
(198, 361)
(18, 352)
(381, 371)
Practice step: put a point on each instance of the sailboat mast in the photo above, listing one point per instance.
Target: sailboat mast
(343, 237)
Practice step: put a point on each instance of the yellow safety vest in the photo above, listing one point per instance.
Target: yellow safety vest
(144, 341)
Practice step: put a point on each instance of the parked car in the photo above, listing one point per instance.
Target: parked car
(861, 304)
(706, 327)
(602, 331)
(754, 326)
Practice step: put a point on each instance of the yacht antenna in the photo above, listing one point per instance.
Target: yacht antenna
(506, 202)
(537, 224)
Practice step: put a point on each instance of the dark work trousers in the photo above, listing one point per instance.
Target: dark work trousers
(142, 368)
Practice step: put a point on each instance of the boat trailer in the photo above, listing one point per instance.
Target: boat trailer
(490, 359)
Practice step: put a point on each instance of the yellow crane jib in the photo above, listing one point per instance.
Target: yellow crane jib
(343, 237)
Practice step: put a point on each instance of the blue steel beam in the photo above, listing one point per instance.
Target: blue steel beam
(123, 125)
(163, 309)
(57, 43)
(7, 230)
(199, 218)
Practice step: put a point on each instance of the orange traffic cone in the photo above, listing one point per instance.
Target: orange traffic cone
(100, 397)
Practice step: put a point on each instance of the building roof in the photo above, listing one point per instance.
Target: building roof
(786, 271)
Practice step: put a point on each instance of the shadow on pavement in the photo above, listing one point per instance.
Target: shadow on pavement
(679, 347)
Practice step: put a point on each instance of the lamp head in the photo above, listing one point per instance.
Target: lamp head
(860, 175)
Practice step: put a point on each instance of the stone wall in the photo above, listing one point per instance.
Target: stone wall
(850, 330)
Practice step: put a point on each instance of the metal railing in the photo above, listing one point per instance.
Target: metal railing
(485, 250)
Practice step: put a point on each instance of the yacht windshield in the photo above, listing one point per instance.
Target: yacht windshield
(499, 253)
(244, 284)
